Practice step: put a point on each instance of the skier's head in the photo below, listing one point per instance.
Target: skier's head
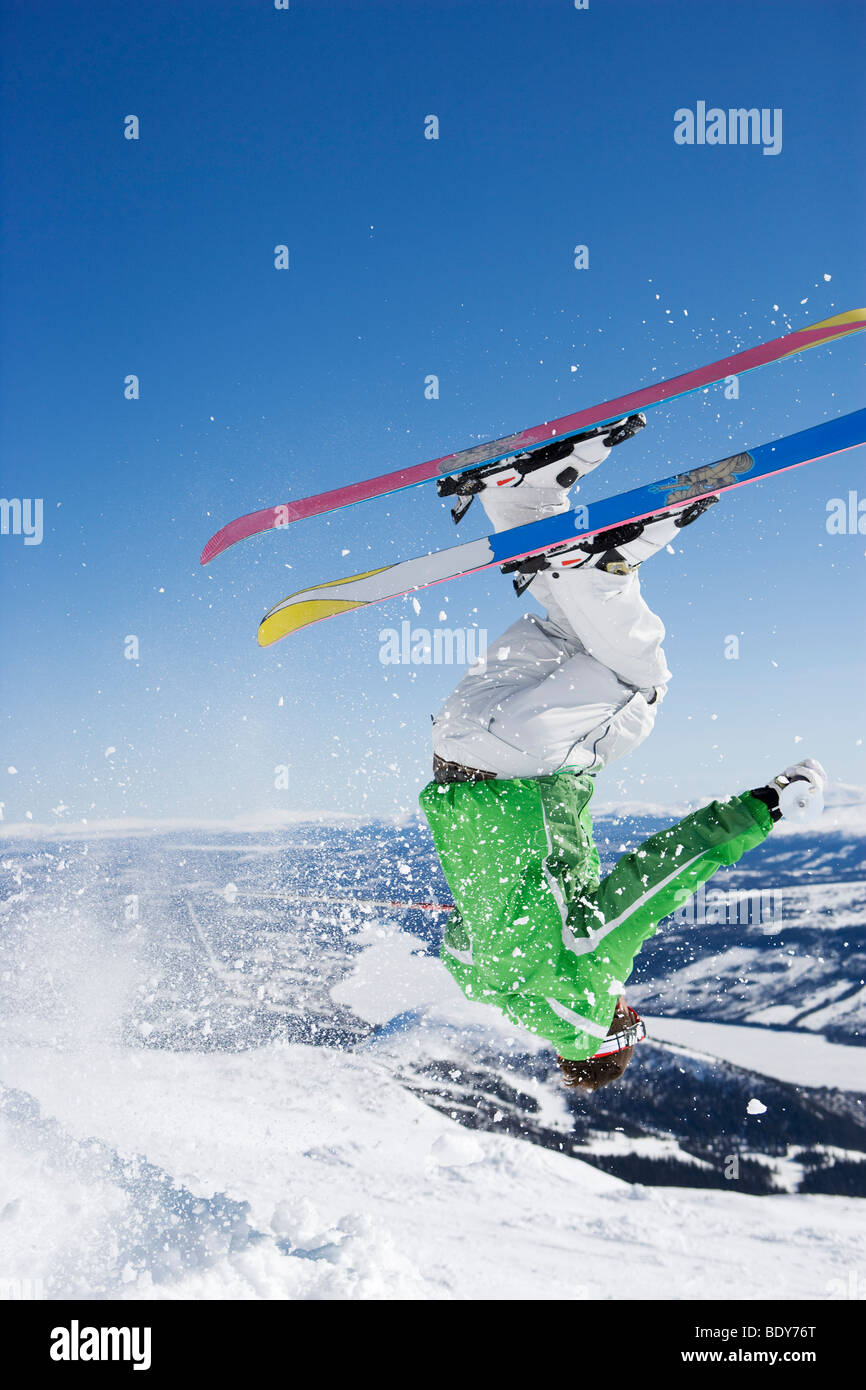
(591, 1073)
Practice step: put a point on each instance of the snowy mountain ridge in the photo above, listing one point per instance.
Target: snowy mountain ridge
(845, 803)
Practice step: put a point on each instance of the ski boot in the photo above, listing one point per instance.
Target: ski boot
(619, 550)
(558, 464)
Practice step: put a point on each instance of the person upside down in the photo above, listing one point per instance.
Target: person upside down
(536, 931)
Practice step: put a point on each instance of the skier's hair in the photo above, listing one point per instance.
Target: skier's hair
(591, 1073)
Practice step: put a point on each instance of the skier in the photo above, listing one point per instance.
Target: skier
(536, 932)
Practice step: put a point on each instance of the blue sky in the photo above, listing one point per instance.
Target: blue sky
(408, 257)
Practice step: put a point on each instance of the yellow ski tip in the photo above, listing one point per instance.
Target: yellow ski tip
(851, 316)
(280, 622)
(312, 605)
(853, 319)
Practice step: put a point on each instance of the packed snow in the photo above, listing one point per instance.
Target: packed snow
(219, 1095)
(297, 1172)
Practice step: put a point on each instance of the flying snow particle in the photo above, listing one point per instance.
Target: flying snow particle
(416, 605)
(108, 752)
(755, 1107)
(13, 771)
(828, 277)
(230, 892)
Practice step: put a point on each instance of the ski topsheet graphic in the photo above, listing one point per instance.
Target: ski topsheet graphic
(344, 595)
(270, 518)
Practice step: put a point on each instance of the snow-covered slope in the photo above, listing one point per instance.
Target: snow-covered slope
(209, 1088)
(298, 1172)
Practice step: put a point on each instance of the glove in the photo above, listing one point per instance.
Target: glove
(797, 793)
(801, 791)
(809, 770)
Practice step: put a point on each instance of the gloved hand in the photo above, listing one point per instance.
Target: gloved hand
(801, 790)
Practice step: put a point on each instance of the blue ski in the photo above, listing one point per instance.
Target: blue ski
(508, 547)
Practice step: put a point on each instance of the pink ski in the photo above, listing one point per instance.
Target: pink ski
(274, 518)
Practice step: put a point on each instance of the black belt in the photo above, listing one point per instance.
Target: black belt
(444, 771)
